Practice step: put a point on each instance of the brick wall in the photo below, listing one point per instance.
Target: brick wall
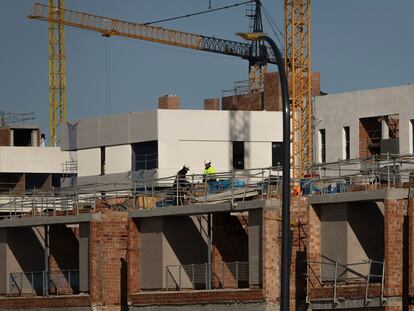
(299, 213)
(212, 104)
(169, 102)
(393, 248)
(197, 297)
(314, 244)
(411, 245)
(249, 102)
(108, 253)
(44, 302)
(271, 255)
(5, 137)
(272, 98)
(133, 255)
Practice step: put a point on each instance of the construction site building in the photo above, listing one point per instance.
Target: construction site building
(217, 246)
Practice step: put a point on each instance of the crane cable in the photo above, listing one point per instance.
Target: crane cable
(271, 23)
(198, 13)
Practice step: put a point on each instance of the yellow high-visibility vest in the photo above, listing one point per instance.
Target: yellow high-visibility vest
(209, 171)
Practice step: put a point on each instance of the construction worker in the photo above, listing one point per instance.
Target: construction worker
(181, 185)
(209, 172)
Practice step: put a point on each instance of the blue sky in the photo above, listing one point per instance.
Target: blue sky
(356, 44)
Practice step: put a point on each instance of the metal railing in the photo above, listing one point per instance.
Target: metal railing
(207, 276)
(44, 283)
(386, 171)
(334, 274)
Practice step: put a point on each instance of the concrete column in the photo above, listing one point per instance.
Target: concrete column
(385, 130)
(11, 137)
(34, 141)
(84, 232)
(3, 261)
(255, 247)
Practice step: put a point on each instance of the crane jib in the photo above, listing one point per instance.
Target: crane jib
(114, 27)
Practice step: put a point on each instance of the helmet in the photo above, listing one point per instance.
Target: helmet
(186, 167)
(207, 161)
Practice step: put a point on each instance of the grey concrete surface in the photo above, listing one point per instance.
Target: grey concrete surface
(152, 269)
(197, 209)
(3, 261)
(52, 309)
(110, 130)
(349, 305)
(373, 195)
(255, 235)
(351, 233)
(333, 112)
(247, 306)
(47, 220)
(84, 233)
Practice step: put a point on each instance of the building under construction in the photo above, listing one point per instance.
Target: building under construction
(105, 221)
(121, 233)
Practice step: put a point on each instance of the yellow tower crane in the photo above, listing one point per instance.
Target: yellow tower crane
(298, 68)
(297, 60)
(57, 17)
(57, 69)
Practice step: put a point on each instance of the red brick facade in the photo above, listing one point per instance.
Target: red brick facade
(272, 98)
(169, 102)
(197, 297)
(393, 248)
(5, 137)
(212, 104)
(108, 253)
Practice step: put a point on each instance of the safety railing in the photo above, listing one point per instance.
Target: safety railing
(44, 283)
(334, 274)
(144, 193)
(207, 276)
(379, 172)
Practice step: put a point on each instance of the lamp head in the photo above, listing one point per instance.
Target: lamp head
(251, 36)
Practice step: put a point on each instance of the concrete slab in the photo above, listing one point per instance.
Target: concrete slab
(373, 195)
(48, 220)
(197, 209)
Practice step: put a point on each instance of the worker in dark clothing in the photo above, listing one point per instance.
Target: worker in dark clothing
(181, 185)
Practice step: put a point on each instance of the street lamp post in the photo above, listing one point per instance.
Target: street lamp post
(286, 235)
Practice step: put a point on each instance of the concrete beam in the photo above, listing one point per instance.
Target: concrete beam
(373, 195)
(328, 304)
(198, 209)
(47, 220)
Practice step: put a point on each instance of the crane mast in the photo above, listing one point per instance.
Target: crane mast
(57, 69)
(298, 69)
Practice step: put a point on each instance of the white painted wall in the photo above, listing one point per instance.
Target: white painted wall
(32, 159)
(184, 137)
(258, 154)
(192, 136)
(219, 125)
(118, 159)
(89, 162)
(333, 112)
